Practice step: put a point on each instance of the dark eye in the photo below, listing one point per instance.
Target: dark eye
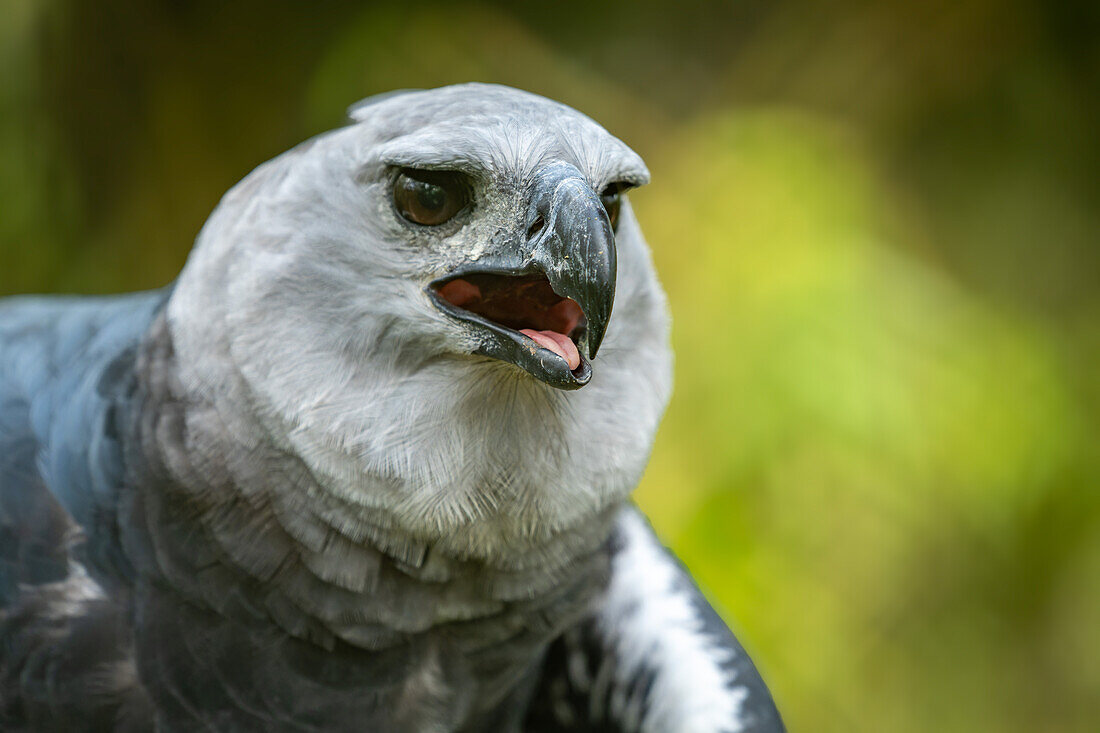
(429, 197)
(612, 202)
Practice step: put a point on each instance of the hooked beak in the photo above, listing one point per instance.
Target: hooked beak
(545, 299)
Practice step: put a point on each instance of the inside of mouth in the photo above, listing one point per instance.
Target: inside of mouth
(526, 304)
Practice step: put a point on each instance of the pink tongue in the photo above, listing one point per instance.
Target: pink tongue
(559, 343)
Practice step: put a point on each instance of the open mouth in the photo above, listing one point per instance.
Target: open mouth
(527, 312)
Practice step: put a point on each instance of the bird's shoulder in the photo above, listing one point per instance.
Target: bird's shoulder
(63, 369)
(64, 364)
(652, 655)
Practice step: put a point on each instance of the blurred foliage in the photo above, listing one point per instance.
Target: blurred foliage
(879, 226)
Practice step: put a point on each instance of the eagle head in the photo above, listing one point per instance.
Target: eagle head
(445, 309)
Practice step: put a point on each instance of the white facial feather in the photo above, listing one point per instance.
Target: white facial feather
(303, 305)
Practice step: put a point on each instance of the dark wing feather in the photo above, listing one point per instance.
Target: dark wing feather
(66, 658)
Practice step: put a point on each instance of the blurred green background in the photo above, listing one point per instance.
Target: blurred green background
(879, 227)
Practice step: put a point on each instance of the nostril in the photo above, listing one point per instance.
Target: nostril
(536, 226)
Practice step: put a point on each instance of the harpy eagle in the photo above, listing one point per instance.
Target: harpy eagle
(359, 468)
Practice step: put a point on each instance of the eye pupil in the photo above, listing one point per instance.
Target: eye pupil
(429, 197)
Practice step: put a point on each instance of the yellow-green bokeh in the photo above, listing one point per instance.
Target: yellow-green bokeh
(879, 228)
